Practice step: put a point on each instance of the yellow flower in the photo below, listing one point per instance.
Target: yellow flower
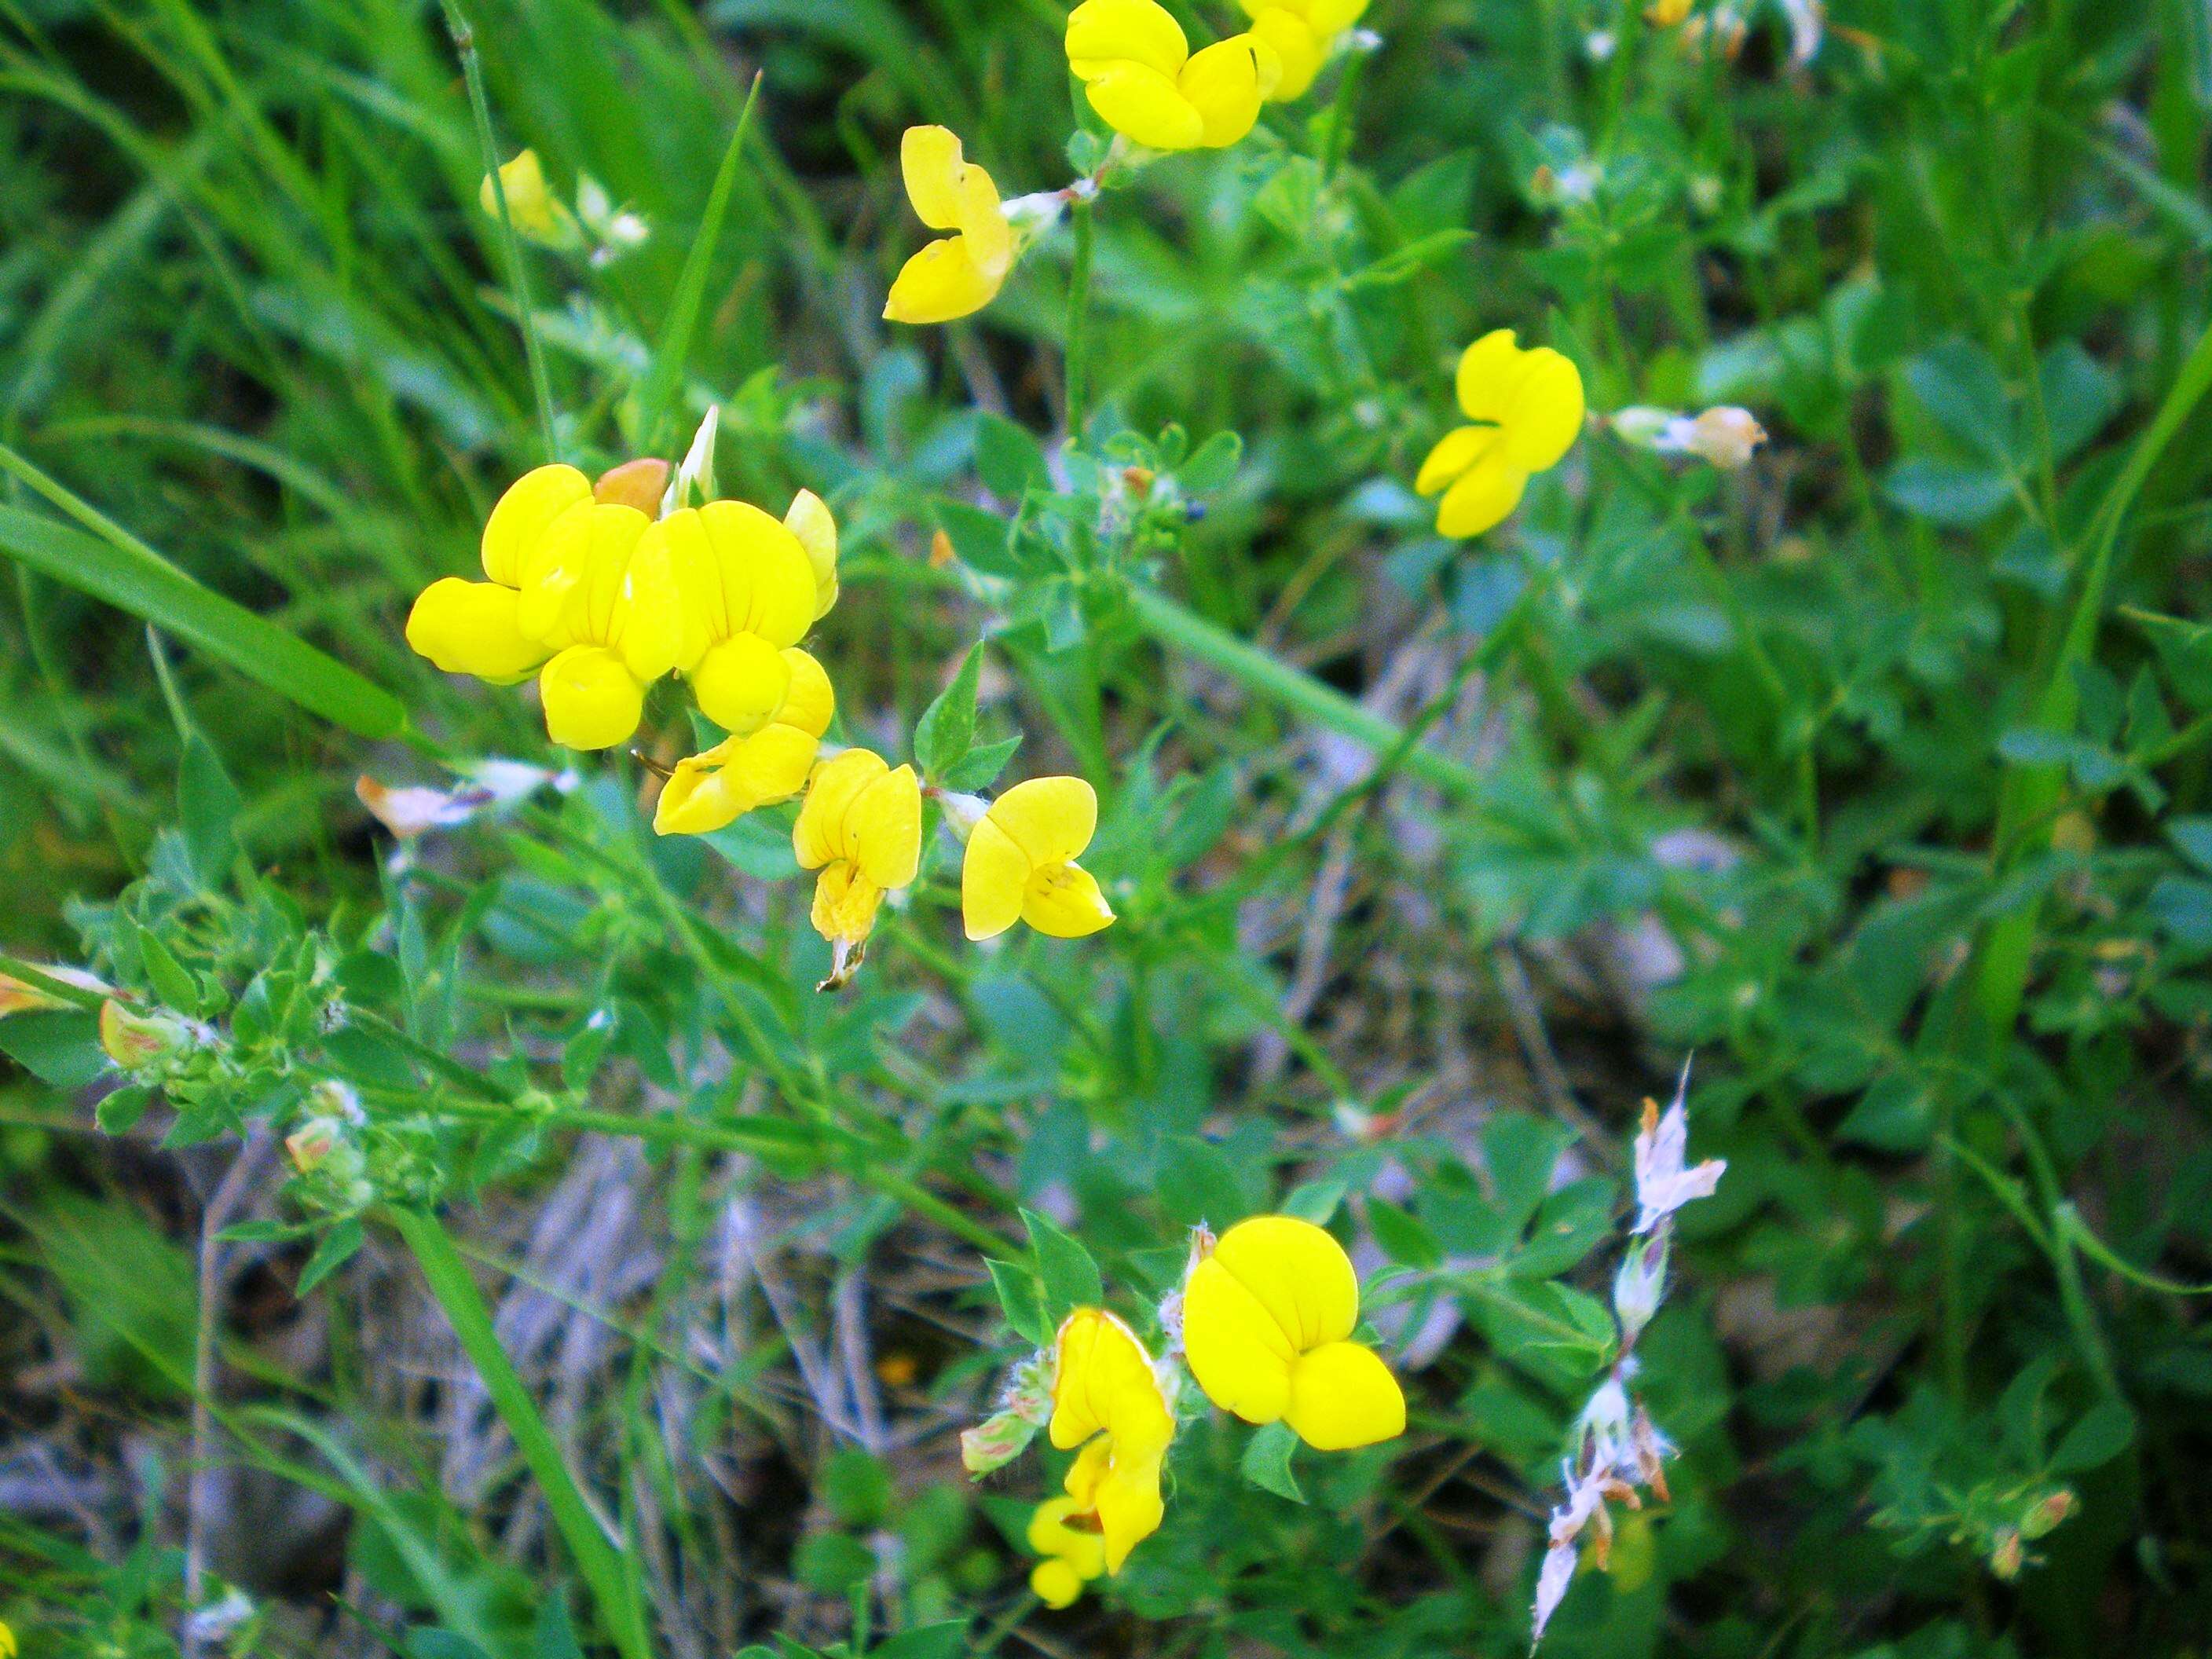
(1526, 408)
(1144, 80)
(6, 1642)
(532, 207)
(1104, 1393)
(1073, 1555)
(959, 274)
(617, 629)
(1665, 13)
(1021, 863)
(758, 767)
(748, 593)
(861, 828)
(1302, 32)
(1267, 1319)
(476, 628)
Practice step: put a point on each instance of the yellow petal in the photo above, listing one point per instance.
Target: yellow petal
(772, 765)
(741, 683)
(768, 580)
(883, 828)
(1455, 451)
(1482, 497)
(572, 576)
(1051, 1533)
(530, 207)
(994, 878)
(1126, 1496)
(1238, 1354)
(524, 513)
(1144, 105)
(1343, 1395)
(845, 904)
(1063, 900)
(592, 699)
(941, 283)
(1134, 31)
(469, 628)
(1298, 1273)
(1328, 18)
(1056, 1583)
(809, 520)
(818, 837)
(1548, 411)
(647, 624)
(1296, 49)
(1222, 83)
(701, 796)
(983, 225)
(808, 700)
(1489, 373)
(1050, 819)
(700, 605)
(930, 161)
(1103, 1382)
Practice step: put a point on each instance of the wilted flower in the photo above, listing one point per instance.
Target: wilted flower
(1664, 1184)
(414, 811)
(1021, 866)
(1144, 80)
(1267, 1318)
(962, 273)
(1725, 435)
(1524, 409)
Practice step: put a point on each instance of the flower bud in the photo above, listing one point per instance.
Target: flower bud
(136, 1041)
(2045, 1515)
(2008, 1555)
(995, 1442)
(639, 483)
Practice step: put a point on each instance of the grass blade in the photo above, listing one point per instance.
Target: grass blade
(666, 378)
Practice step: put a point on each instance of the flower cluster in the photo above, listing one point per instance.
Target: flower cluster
(1263, 1323)
(602, 589)
(1141, 78)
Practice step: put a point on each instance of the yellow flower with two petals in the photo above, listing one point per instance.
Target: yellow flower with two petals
(1073, 1549)
(1526, 409)
(765, 762)
(1107, 1400)
(748, 594)
(1020, 865)
(1303, 33)
(1144, 80)
(861, 828)
(960, 274)
(476, 627)
(1267, 1318)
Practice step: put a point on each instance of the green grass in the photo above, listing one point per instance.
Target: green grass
(1874, 775)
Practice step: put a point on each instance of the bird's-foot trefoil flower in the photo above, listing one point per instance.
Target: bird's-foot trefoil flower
(1524, 410)
(1143, 80)
(1020, 864)
(476, 628)
(748, 592)
(1074, 1548)
(960, 274)
(861, 828)
(618, 626)
(1267, 1317)
(536, 214)
(1108, 1400)
(767, 763)
(1304, 33)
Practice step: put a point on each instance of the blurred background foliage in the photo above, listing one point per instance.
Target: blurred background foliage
(1874, 775)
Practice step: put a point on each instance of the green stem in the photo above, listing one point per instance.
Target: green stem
(518, 273)
(1252, 668)
(1079, 319)
(608, 1569)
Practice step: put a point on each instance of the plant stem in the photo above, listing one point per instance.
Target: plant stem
(1192, 634)
(518, 274)
(1079, 319)
(607, 1569)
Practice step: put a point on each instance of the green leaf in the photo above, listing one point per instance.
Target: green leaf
(337, 1249)
(947, 1640)
(1961, 386)
(1008, 460)
(981, 540)
(669, 357)
(2193, 837)
(120, 1109)
(1064, 1268)
(1021, 1299)
(133, 578)
(60, 1048)
(1267, 1461)
(1404, 1237)
(1214, 465)
(2104, 1432)
(208, 803)
(947, 728)
(1314, 1200)
(1946, 494)
(980, 767)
